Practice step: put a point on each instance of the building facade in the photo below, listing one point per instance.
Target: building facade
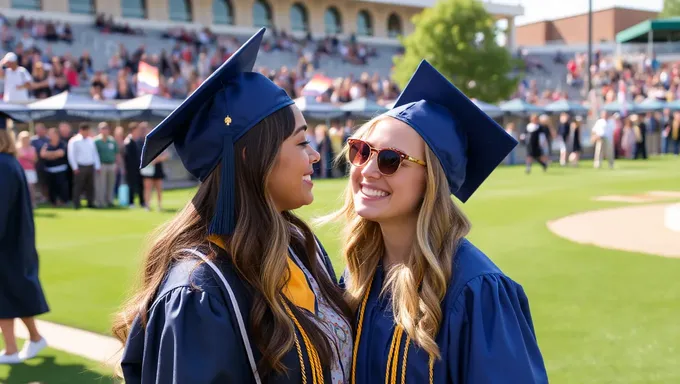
(574, 30)
(370, 20)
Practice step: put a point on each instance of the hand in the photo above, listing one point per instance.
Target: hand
(76, 171)
(99, 171)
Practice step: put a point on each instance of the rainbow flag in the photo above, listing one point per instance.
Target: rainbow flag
(147, 79)
(317, 85)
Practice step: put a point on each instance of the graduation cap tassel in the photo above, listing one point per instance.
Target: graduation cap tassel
(223, 221)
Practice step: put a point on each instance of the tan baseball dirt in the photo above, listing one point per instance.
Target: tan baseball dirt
(647, 197)
(637, 228)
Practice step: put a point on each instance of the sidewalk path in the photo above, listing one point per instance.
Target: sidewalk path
(90, 345)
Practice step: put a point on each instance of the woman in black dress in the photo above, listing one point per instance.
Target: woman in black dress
(21, 295)
(533, 142)
(153, 176)
(574, 141)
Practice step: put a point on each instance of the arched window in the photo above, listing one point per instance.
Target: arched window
(299, 21)
(32, 5)
(262, 14)
(134, 9)
(333, 21)
(180, 10)
(394, 25)
(222, 12)
(364, 24)
(83, 7)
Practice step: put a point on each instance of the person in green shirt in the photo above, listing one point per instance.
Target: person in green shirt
(108, 155)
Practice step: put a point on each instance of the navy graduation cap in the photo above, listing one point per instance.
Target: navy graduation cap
(218, 113)
(468, 143)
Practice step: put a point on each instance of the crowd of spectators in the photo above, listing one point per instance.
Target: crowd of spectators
(639, 76)
(182, 68)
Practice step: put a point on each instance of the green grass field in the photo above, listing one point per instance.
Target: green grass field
(601, 316)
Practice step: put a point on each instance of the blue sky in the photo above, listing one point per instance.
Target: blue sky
(537, 10)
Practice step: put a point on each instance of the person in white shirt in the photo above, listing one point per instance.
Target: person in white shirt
(84, 160)
(603, 137)
(17, 79)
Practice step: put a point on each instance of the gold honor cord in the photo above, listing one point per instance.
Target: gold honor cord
(314, 361)
(393, 355)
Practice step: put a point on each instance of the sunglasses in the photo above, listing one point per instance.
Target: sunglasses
(389, 159)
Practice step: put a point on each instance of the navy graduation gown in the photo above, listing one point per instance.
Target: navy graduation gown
(192, 335)
(486, 334)
(21, 294)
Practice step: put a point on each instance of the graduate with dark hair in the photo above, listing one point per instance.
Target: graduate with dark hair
(236, 288)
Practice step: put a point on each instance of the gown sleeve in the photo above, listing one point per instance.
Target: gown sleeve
(495, 334)
(190, 338)
(8, 195)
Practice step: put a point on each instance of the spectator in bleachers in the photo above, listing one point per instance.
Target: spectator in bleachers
(51, 32)
(110, 91)
(123, 91)
(97, 86)
(7, 37)
(83, 158)
(17, 79)
(203, 65)
(178, 86)
(85, 67)
(27, 41)
(65, 33)
(115, 63)
(53, 155)
(71, 74)
(105, 179)
(40, 88)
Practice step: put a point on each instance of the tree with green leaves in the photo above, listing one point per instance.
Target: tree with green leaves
(671, 8)
(458, 37)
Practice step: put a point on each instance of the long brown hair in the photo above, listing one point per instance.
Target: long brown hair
(7, 144)
(418, 286)
(258, 249)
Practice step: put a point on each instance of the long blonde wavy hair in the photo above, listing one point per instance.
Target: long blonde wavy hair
(417, 286)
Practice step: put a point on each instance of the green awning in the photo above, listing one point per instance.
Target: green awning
(663, 30)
